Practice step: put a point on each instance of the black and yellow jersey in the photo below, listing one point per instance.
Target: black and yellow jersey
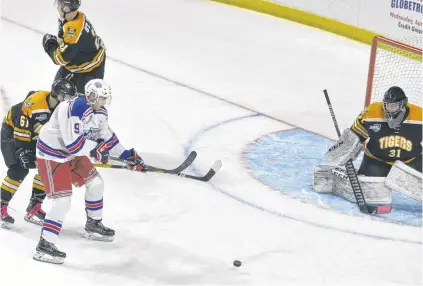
(386, 144)
(80, 49)
(27, 118)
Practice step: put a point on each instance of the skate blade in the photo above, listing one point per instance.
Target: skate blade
(6, 225)
(34, 220)
(44, 257)
(97, 236)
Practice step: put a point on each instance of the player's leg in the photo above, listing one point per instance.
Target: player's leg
(84, 173)
(371, 167)
(81, 79)
(63, 73)
(15, 174)
(34, 213)
(56, 178)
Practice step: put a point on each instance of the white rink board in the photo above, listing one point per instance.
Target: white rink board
(396, 19)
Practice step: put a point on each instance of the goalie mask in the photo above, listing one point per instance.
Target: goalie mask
(395, 106)
(98, 92)
(63, 89)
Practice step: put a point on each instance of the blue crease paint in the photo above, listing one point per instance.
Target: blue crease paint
(189, 146)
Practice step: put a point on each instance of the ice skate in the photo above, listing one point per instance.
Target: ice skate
(34, 213)
(95, 230)
(48, 252)
(6, 220)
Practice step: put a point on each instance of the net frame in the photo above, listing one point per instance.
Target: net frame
(396, 48)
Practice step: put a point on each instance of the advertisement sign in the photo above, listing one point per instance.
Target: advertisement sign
(397, 19)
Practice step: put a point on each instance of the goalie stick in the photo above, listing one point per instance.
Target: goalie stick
(352, 175)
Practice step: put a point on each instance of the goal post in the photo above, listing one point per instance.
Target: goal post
(394, 64)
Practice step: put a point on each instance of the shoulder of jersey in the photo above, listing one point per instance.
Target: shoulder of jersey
(374, 111)
(102, 111)
(72, 30)
(80, 108)
(37, 101)
(415, 115)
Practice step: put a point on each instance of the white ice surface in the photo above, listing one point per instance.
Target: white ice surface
(172, 230)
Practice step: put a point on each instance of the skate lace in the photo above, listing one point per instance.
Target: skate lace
(34, 210)
(50, 246)
(4, 211)
(101, 225)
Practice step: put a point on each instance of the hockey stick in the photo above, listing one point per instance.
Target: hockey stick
(177, 171)
(188, 161)
(352, 175)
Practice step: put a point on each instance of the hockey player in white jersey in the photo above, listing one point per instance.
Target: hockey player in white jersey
(76, 130)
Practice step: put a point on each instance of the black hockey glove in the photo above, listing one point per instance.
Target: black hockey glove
(100, 152)
(26, 158)
(133, 161)
(50, 42)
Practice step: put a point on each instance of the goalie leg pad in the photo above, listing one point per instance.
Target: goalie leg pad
(347, 147)
(323, 178)
(405, 180)
(374, 190)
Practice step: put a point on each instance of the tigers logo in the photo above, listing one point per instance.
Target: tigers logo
(375, 127)
(71, 32)
(29, 102)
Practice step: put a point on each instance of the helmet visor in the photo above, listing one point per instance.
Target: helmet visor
(67, 6)
(104, 101)
(392, 108)
(92, 98)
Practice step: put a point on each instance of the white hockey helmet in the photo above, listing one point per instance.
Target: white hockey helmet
(98, 91)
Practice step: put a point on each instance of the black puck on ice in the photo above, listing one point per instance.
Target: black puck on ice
(237, 263)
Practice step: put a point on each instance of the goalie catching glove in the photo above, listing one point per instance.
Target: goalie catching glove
(133, 161)
(347, 147)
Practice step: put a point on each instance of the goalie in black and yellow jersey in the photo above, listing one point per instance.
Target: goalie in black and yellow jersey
(391, 130)
(390, 133)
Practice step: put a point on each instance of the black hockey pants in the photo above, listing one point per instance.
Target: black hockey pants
(81, 79)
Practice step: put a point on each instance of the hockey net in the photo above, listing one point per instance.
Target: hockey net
(394, 64)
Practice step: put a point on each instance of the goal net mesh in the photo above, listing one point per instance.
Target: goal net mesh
(394, 64)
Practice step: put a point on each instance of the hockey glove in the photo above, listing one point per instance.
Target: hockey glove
(100, 152)
(50, 42)
(133, 161)
(26, 158)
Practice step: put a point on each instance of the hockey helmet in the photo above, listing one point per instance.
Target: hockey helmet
(395, 106)
(68, 6)
(63, 89)
(97, 91)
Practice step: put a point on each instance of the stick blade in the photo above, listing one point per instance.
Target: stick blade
(216, 166)
(213, 170)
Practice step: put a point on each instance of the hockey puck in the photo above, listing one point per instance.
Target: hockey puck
(237, 263)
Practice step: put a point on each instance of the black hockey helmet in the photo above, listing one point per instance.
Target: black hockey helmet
(71, 5)
(63, 89)
(395, 106)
